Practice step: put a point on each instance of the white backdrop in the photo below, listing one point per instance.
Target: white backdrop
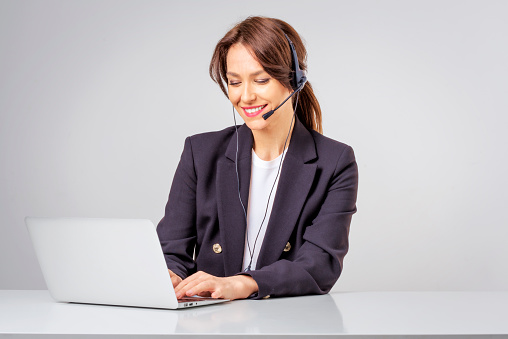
(97, 97)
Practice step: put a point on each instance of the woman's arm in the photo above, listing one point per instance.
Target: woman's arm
(177, 229)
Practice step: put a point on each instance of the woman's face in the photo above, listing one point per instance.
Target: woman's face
(253, 92)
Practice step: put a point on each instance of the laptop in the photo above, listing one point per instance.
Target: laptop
(105, 261)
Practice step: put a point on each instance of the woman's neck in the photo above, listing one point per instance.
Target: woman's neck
(269, 142)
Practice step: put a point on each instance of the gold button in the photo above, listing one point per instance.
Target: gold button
(287, 248)
(217, 248)
(266, 296)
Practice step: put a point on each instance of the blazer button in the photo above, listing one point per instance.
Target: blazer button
(266, 297)
(287, 248)
(217, 248)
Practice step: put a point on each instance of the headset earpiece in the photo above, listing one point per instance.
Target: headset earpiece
(298, 79)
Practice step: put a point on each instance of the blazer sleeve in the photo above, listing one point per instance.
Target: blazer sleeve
(177, 229)
(318, 262)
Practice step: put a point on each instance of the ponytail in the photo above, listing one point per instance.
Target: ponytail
(308, 109)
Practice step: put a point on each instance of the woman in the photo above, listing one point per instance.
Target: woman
(262, 209)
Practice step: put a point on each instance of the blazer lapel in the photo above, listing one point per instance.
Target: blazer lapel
(295, 181)
(230, 212)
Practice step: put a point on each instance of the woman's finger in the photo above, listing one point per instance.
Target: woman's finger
(185, 282)
(217, 288)
(175, 279)
(206, 285)
(189, 283)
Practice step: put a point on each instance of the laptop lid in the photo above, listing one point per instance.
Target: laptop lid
(103, 261)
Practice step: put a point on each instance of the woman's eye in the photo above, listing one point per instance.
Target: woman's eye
(262, 81)
(234, 83)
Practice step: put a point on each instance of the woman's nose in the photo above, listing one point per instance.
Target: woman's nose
(248, 93)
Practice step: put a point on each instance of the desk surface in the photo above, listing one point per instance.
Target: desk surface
(359, 314)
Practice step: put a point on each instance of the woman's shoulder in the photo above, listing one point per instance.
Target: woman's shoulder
(212, 137)
(210, 144)
(332, 154)
(328, 144)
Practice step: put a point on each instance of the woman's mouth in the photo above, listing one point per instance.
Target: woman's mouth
(252, 111)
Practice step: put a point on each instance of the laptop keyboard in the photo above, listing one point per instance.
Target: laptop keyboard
(187, 299)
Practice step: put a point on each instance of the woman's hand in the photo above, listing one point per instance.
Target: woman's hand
(175, 279)
(204, 284)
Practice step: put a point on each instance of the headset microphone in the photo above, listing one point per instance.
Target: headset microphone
(297, 81)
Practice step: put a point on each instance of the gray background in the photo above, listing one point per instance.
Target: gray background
(97, 97)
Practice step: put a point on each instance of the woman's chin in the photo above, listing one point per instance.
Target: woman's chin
(257, 124)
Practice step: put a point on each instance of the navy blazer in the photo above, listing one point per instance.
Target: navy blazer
(312, 210)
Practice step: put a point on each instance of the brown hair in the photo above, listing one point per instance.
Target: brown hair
(265, 37)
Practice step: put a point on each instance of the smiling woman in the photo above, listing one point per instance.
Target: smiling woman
(253, 91)
(263, 209)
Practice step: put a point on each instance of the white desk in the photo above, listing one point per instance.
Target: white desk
(28, 314)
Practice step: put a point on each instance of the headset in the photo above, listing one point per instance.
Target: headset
(297, 83)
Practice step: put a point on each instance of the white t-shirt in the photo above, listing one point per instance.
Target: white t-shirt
(263, 174)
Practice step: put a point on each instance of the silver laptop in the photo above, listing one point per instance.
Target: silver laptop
(105, 261)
